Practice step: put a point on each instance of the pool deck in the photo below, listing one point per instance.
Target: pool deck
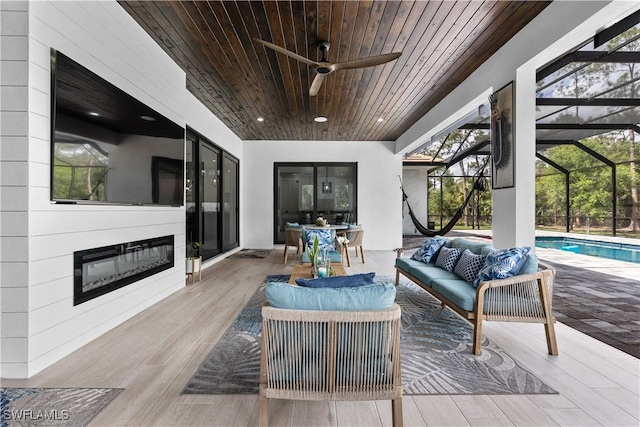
(599, 297)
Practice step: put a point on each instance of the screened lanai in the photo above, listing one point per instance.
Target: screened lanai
(588, 110)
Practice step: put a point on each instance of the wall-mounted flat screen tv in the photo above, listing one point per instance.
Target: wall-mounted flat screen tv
(108, 147)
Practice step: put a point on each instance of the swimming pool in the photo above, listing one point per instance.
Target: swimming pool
(619, 251)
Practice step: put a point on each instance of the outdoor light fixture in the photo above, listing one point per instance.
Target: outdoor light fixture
(320, 119)
(326, 185)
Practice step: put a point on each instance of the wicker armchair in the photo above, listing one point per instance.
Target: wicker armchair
(330, 355)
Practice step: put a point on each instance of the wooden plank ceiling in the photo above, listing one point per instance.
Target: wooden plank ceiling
(239, 80)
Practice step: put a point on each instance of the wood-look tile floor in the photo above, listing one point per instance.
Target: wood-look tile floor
(154, 354)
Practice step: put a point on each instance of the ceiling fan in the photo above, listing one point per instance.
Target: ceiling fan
(324, 67)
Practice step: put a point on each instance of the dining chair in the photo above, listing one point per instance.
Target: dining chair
(355, 237)
(292, 237)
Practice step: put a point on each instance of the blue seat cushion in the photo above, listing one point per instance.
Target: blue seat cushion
(339, 281)
(430, 274)
(407, 264)
(458, 291)
(292, 225)
(379, 296)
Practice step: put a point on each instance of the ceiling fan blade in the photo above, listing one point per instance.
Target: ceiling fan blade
(287, 52)
(366, 62)
(315, 85)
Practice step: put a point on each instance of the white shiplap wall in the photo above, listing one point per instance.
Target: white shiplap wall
(104, 38)
(14, 181)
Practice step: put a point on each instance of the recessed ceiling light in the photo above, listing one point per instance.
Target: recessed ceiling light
(93, 113)
(148, 118)
(381, 119)
(261, 119)
(320, 119)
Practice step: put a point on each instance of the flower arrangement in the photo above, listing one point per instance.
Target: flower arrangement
(322, 222)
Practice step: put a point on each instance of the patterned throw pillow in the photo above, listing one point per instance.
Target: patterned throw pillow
(501, 264)
(469, 265)
(447, 258)
(428, 249)
(325, 238)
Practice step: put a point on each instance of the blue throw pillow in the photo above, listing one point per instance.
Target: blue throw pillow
(379, 296)
(325, 238)
(501, 264)
(447, 258)
(469, 265)
(339, 281)
(428, 249)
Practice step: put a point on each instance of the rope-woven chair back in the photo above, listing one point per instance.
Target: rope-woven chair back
(292, 236)
(331, 355)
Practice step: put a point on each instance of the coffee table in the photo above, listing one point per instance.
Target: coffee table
(303, 271)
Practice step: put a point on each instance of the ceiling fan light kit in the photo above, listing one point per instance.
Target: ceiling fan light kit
(324, 67)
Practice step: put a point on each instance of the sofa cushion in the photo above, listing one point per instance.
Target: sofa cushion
(429, 274)
(530, 264)
(407, 264)
(501, 264)
(338, 281)
(475, 247)
(447, 258)
(428, 249)
(469, 265)
(458, 291)
(379, 296)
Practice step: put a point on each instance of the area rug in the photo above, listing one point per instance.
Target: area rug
(251, 254)
(435, 346)
(53, 406)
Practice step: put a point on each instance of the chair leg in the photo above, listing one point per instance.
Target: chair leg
(361, 253)
(263, 412)
(286, 253)
(396, 412)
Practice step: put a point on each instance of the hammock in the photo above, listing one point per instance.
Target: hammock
(478, 184)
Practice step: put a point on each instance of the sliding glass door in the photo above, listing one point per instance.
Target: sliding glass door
(304, 191)
(211, 197)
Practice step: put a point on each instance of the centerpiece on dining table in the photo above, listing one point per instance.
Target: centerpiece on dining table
(322, 222)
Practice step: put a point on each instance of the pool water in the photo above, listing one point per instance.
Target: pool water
(618, 251)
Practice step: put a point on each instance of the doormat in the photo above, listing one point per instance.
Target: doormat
(251, 254)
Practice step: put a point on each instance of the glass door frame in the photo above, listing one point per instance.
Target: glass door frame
(193, 226)
(316, 166)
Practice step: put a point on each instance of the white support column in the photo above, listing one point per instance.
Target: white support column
(514, 208)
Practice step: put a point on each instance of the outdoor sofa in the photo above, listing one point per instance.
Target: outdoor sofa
(466, 286)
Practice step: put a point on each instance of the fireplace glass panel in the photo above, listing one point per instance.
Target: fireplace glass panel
(102, 270)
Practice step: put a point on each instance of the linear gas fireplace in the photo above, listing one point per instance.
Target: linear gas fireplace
(101, 270)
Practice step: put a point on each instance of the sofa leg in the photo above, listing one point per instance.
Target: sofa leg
(477, 336)
(396, 412)
(397, 277)
(550, 332)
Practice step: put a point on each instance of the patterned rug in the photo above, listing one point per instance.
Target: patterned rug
(251, 254)
(435, 348)
(53, 406)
